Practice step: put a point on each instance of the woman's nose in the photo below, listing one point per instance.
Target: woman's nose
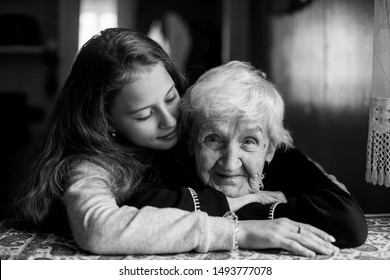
(230, 160)
(168, 118)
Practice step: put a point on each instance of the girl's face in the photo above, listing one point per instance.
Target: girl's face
(145, 111)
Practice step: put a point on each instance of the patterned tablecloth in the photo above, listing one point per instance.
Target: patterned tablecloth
(18, 244)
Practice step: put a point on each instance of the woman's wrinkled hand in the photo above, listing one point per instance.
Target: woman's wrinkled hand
(268, 197)
(299, 238)
(263, 197)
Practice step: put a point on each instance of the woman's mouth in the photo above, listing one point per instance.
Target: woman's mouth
(227, 179)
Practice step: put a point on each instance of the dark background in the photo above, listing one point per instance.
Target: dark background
(318, 53)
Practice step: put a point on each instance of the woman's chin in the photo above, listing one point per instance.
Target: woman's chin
(232, 191)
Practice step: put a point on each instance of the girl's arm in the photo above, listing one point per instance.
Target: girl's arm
(99, 225)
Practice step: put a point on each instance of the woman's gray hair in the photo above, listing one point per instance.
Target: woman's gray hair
(231, 91)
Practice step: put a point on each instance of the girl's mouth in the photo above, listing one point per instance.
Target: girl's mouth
(169, 136)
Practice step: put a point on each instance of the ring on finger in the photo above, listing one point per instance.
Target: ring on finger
(300, 229)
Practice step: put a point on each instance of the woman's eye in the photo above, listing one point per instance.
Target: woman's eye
(250, 141)
(212, 139)
(145, 117)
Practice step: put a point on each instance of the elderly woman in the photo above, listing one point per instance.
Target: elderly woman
(232, 122)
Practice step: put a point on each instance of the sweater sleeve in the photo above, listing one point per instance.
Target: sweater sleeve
(313, 198)
(176, 173)
(209, 200)
(100, 226)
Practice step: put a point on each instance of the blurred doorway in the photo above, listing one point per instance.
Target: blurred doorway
(191, 30)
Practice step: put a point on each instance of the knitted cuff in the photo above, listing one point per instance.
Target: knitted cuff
(233, 217)
(195, 199)
(272, 210)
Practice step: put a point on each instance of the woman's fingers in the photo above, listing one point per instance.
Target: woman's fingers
(276, 196)
(254, 182)
(311, 237)
(284, 233)
(267, 197)
(313, 243)
(296, 247)
(236, 203)
(318, 240)
(320, 233)
(281, 197)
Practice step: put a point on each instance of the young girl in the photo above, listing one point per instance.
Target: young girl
(118, 107)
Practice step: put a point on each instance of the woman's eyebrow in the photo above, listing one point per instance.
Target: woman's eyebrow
(254, 129)
(210, 127)
(146, 107)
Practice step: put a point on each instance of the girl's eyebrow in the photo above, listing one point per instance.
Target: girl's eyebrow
(146, 107)
(170, 89)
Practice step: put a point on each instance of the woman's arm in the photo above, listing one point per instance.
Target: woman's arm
(312, 197)
(178, 186)
(173, 170)
(204, 199)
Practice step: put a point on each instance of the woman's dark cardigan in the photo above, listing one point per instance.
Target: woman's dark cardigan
(312, 197)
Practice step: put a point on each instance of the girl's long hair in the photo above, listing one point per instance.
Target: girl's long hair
(80, 124)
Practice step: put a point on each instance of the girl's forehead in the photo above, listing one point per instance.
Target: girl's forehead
(151, 79)
(147, 89)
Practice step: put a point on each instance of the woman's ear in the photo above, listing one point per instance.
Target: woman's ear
(270, 153)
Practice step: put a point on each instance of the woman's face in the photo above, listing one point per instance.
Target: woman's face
(145, 111)
(230, 155)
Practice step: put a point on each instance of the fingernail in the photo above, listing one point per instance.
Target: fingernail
(331, 238)
(332, 248)
(330, 251)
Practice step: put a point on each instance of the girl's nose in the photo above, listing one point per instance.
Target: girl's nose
(168, 119)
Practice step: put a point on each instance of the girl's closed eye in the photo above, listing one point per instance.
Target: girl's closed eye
(144, 117)
(171, 97)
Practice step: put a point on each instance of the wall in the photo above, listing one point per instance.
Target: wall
(201, 22)
(28, 73)
(33, 65)
(320, 57)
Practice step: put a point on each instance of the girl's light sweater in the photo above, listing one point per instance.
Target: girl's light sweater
(100, 226)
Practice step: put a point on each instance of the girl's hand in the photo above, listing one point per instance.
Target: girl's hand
(284, 233)
(263, 197)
